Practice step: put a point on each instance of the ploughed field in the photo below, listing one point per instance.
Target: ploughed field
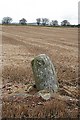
(20, 45)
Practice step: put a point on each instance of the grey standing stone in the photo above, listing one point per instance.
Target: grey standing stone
(44, 73)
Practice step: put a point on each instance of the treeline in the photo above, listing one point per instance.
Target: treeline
(39, 22)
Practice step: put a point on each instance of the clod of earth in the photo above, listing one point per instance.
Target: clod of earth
(44, 73)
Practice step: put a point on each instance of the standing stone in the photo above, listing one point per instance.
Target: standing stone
(44, 73)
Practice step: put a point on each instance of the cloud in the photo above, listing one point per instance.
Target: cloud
(32, 9)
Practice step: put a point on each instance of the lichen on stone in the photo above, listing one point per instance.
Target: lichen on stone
(44, 73)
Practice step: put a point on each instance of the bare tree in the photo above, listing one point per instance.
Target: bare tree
(6, 20)
(65, 23)
(45, 21)
(38, 21)
(54, 23)
(23, 21)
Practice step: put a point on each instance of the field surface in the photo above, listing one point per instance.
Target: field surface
(20, 45)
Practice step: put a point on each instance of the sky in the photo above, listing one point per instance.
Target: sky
(79, 12)
(32, 9)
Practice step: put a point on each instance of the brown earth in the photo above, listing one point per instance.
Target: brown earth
(20, 45)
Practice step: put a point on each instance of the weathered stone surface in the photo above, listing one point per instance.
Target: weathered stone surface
(44, 73)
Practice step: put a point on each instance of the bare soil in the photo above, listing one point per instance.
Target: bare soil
(20, 45)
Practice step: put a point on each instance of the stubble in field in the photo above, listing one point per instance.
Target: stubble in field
(20, 45)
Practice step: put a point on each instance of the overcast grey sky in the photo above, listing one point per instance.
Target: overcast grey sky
(32, 9)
